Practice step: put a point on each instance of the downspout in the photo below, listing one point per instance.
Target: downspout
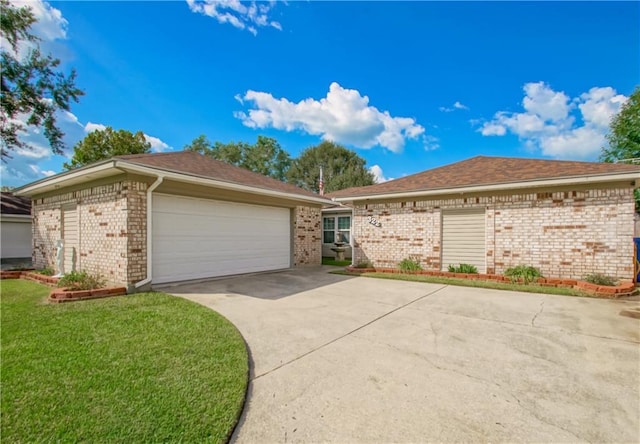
(149, 231)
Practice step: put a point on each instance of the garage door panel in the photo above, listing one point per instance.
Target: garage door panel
(463, 238)
(199, 238)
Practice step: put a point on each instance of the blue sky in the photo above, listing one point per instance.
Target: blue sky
(408, 85)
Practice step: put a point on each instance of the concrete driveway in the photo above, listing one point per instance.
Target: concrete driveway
(341, 359)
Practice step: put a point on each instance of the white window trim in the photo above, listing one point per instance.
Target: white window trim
(336, 229)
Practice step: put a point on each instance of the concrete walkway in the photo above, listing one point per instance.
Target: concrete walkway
(341, 359)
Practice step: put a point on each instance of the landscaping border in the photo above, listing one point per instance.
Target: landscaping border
(602, 291)
(63, 294)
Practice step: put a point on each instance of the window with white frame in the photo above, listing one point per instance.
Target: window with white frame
(336, 228)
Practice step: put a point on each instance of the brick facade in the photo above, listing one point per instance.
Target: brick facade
(112, 234)
(307, 236)
(112, 230)
(566, 233)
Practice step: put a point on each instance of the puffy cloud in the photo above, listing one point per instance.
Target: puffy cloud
(90, 127)
(378, 175)
(242, 15)
(343, 116)
(157, 145)
(557, 125)
(455, 106)
(49, 26)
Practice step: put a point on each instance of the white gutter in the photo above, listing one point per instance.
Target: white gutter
(182, 177)
(631, 176)
(153, 186)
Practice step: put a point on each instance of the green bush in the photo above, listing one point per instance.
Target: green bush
(46, 271)
(523, 273)
(409, 264)
(463, 268)
(601, 279)
(81, 280)
(364, 264)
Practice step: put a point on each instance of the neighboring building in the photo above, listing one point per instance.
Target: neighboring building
(566, 218)
(15, 229)
(166, 217)
(336, 226)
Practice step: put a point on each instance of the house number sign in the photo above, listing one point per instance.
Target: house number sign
(373, 221)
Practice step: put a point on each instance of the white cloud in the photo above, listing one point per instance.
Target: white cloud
(431, 143)
(378, 175)
(157, 145)
(242, 15)
(49, 26)
(90, 127)
(548, 122)
(343, 116)
(455, 106)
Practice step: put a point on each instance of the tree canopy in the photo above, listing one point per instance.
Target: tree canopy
(106, 143)
(624, 135)
(266, 156)
(342, 168)
(32, 89)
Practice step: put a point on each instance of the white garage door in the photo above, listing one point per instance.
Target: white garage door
(200, 238)
(463, 238)
(16, 239)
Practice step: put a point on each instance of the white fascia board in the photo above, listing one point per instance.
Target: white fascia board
(338, 210)
(182, 177)
(66, 178)
(581, 180)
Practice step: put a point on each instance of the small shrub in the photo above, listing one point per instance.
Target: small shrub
(526, 273)
(46, 271)
(81, 280)
(601, 279)
(364, 264)
(463, 268)
(409, 265)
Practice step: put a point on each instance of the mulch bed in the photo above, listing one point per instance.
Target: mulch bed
(602, 291)
(63, 294)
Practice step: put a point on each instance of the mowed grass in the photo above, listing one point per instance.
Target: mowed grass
(141, 368)
(333, 261)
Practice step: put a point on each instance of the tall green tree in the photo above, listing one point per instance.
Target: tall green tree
(624, 134)
(106, 143)
(31, 87)
(266, 156)
(342, 168)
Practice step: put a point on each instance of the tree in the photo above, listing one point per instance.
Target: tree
(266, 156)
(106, 143)
(624, 135)
(342, 168)
(31, 87)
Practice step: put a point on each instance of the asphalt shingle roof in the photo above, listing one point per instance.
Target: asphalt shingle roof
(482, 170)
(15, 205)
(194, 164)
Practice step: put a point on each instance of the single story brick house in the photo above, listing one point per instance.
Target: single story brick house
(15, 229)
(567, 218)
(157, 218)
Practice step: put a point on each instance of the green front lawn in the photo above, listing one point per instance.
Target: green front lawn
(143, 368)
